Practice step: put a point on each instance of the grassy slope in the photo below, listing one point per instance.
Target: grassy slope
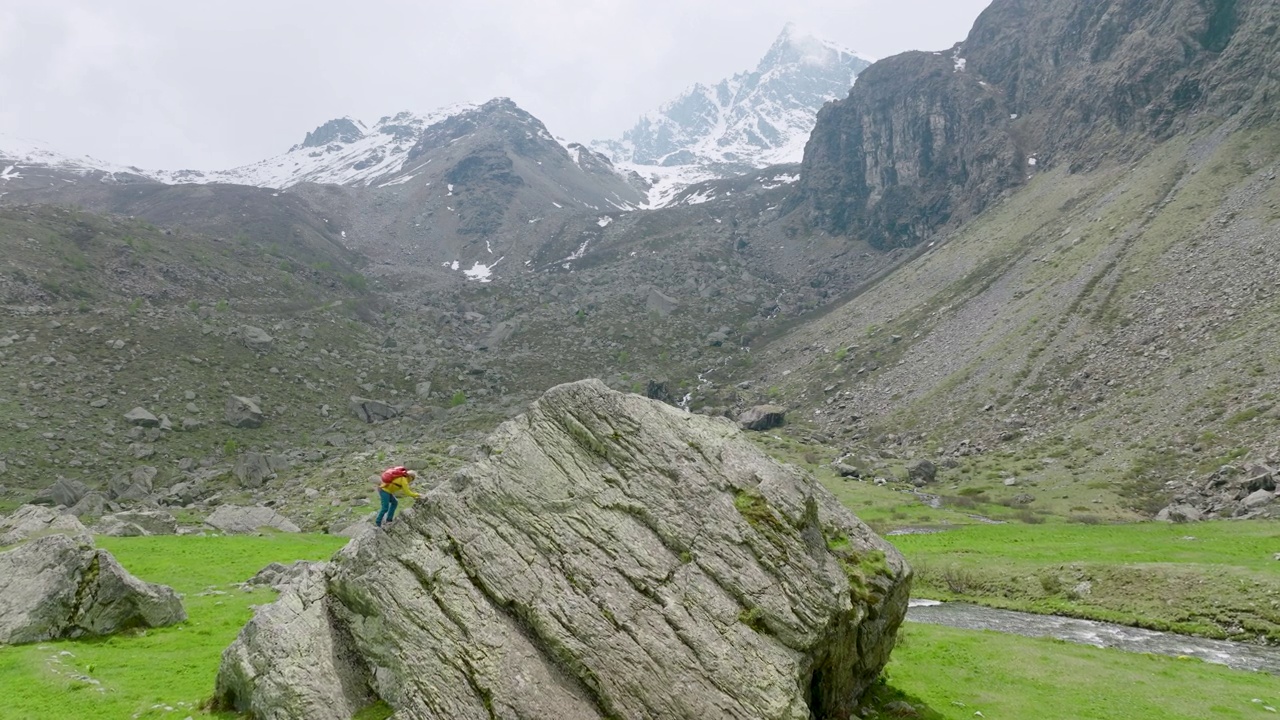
(158, 673)
(1117, 313)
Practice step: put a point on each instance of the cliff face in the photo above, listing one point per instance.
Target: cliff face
(925, 138)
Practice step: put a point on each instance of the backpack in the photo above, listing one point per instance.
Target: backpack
(392, 473)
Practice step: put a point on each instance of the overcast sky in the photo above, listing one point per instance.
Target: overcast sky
(211, 85)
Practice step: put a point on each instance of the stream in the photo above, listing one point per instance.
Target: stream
(1240, 656)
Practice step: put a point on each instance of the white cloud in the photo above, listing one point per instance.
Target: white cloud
(208, 85)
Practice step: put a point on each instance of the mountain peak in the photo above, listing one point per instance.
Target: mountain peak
(796, 44)
(342, 130)
(743, 123)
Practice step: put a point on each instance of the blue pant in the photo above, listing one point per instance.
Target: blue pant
(389, 503)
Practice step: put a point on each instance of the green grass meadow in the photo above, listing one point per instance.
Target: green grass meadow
(942, 672)
(156, 673)
(1215, 579)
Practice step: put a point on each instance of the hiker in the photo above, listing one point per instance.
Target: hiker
(395, 481)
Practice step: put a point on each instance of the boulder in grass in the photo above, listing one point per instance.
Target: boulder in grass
(611, 557)
(235, 519)
(62, 587)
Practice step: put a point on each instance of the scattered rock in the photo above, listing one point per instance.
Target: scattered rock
(540, 567)
(67, 492)
(252, 469)
(922, 472)
(256, 339)
(135, 485)
(423, 389)
(1179, 513)
(30, 521)
(134, 523)
(93, 504)
(372, 411)
(279, 576)
(762, 417)
(657, 302)
(61, 587)
(234, 519)
(140, 417)
(243, 412)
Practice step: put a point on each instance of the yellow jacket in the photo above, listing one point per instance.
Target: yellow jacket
(398, 487)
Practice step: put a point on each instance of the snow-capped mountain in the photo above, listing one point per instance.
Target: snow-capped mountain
(344, 151)
(28, 163)
(749, 121)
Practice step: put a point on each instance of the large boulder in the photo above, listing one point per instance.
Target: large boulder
(372, 411)
(611, 556)
(61, 587)
(242, 412)
(135, 523)
(762, 417)
(234, 519)
(134, 485)
(30, 521)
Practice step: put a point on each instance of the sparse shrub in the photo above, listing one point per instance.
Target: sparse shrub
(459, 398)
(1085, 519)
(230, 447)
(959, 580)
(1051, 584)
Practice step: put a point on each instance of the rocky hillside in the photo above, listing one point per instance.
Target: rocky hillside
(749, 121)
(1097, 335)
(927, 139)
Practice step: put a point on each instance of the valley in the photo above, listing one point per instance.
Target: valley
(1018, 301)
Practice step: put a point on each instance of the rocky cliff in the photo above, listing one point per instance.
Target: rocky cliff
(610, 557)
(926, 138)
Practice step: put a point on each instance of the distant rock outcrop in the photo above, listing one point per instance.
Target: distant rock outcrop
(61, 587)
(611, 557)
(925, 138)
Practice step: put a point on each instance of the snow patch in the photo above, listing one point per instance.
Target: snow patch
(398, 181)
(604, 221)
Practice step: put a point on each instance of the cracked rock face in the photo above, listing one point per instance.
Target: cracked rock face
(611, 556)
(62, 587)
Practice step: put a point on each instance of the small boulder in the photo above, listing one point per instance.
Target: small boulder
(256, 339)
(243, 412)
(93, 504)
(372, 411)
(657, 302)
(1180, 513)
(762, 417)
(252, 469)
(234, 519)
(1258, 499)
(278, 576)
(31, 521)
(922, 472)
(141, 417)
(67, 492)
(61, 587)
